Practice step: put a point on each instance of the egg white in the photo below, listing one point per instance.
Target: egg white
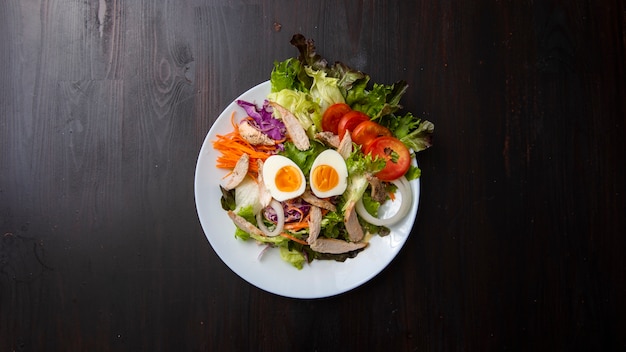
(333, 159)
(271, 167)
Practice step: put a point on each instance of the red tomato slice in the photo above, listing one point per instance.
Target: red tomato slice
(332, 115)
(349, 121)
(365, 132)
(397, 155)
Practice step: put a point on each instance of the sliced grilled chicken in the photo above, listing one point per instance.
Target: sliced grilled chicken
(345, 146)
(335, 246)
(310, 198)
(355, 231)
(294, 128)
(239, 172)
(254, 136)
(315, 224)
(328, 138)
(264, 194)
(379, 193)
(244, 224)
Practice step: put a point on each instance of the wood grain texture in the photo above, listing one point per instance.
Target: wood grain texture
(518, 243)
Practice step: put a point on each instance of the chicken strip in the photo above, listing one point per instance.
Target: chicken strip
(355, 231)
(254, 136)
(315, 224)
(345, 146)
(310, 198)
(243, 224)
(335, 246)
(328, 138)
(379, 193)
(265, 197)
(239, 172)
(294, 128)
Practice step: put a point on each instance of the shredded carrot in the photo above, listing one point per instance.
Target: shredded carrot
(233, 146)
(392, 196)
(232, 121)
(296, 226)
(286, 235)
(281, 140)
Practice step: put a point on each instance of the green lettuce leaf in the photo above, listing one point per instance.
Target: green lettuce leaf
(304, 159)
(292, 257)
(302, 107)
(228, 199)
(248, 214)
(379, 101)
(333, 225)
(370, 204)
(413, 173)
(414, 132)
(276, 240)
(421, 137)
(347, 77)
(289, 74)
(324, 90)
(359, 165)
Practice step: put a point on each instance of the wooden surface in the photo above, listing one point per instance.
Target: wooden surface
(519, 239)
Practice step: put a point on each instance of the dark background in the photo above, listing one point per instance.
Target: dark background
(519, 239)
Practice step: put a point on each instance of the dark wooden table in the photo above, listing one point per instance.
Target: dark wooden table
(519, 239)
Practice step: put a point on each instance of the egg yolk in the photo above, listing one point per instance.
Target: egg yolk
(287, 179)
(325, 177)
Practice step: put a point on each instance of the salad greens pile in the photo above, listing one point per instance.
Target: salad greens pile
(301, 82)
(307, 86)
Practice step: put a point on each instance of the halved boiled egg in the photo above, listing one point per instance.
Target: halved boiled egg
(283, 178)
(329, 174)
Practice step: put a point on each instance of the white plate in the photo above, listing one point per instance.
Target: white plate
(319, 279)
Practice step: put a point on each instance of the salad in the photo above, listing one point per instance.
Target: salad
(311, 165)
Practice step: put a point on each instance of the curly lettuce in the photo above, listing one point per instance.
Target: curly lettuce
(302, 106)
(289, 74)
(324, 90)
(328, 84)
(379, 101)
(414, 132)
(359, 166)
(304, 159)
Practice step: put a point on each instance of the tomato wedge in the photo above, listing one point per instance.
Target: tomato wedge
(365, 132)
(332, 115)
(350, 120)
(397, 155)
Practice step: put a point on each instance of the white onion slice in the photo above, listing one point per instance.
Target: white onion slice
(408, 187)
(280, 213)
(404, 188)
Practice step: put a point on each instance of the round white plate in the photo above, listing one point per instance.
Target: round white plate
(321, 278)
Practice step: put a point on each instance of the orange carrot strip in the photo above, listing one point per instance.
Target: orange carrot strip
(296, 226)
(232, 146)
(281, 140)
(232, 121)
(286, 235)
